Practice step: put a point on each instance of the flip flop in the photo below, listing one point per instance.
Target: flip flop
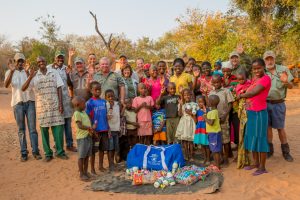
(259, 172)
(250, 167)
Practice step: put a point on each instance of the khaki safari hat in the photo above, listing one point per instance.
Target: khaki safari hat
(234, 53)
(19, 56)
(269, 54)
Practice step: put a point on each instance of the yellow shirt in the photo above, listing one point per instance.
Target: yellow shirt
(215, 128)
(85, 120)
(181, 81)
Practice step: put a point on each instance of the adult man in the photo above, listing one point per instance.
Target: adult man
(239, 59)
(23, 104)
(59, 66)
(110, 80)
(78, 80)
(48, 91)
(281, 81)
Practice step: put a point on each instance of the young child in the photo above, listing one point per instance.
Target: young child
(243, 158)
(96, 109)
(143, 105)
(224, 108)
(187, 124)
(153, 84)
(159, 127)
(218, 68)
(113, 115)
(201, 136)
(84, 132)
(170, 103)
(230, 82)
(131, 124)
(213, 129)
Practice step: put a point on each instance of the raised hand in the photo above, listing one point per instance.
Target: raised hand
(11, 65)
(240, 48)
(28, 66)
(180, 101)
(72, 52)
(284, 77)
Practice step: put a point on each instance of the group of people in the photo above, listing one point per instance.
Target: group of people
(115, 107)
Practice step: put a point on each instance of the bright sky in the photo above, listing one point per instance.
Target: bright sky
(135, 18)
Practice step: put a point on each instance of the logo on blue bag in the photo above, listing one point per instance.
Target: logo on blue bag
(154, 159)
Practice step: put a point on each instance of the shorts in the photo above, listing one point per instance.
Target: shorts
(103, 141)
(131, 132)
(114, 141)
(225, 132)
(215, 142)
(95, 143)
(171, 124)
(85, 147)
(276, 115)
(160, 136)
(145, 129)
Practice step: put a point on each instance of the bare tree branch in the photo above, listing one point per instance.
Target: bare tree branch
(98, 31)
(116, 46)
(110, 39)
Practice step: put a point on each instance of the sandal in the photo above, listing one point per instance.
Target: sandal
(259, 172)
(250, 167)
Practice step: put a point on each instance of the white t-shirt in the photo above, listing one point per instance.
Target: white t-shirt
(17, 81)
(114, 121)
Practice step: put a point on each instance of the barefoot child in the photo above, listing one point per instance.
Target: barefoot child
(143, 105)
(113, 116)
(224, 108)
(96, 109)
(84, 131)
(201, 136)
(170, 103)
(187, 124)
(213, 129)
(243, 158)
(131, 123)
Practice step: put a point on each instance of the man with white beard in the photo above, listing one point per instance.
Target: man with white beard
(281, 81)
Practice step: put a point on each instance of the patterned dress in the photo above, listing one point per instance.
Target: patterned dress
(201, 136)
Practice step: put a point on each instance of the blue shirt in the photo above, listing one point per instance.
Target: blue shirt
(157, 118)
(96, 109)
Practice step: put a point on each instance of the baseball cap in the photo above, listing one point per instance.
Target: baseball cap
(59, 53)
(123, 56)
(269, 54)
(78, 60)
(234, 53)
(19, 56)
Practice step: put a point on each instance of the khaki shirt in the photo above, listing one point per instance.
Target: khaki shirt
(278, 89)
(112, 81)
(80, 84)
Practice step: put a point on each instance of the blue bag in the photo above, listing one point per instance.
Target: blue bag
(155, 157)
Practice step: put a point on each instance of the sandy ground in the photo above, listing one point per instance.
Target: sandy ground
(59, 178)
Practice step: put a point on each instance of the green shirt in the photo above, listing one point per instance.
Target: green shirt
(215, 128)
(85, 120)
(278, 89)
(112, 81)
